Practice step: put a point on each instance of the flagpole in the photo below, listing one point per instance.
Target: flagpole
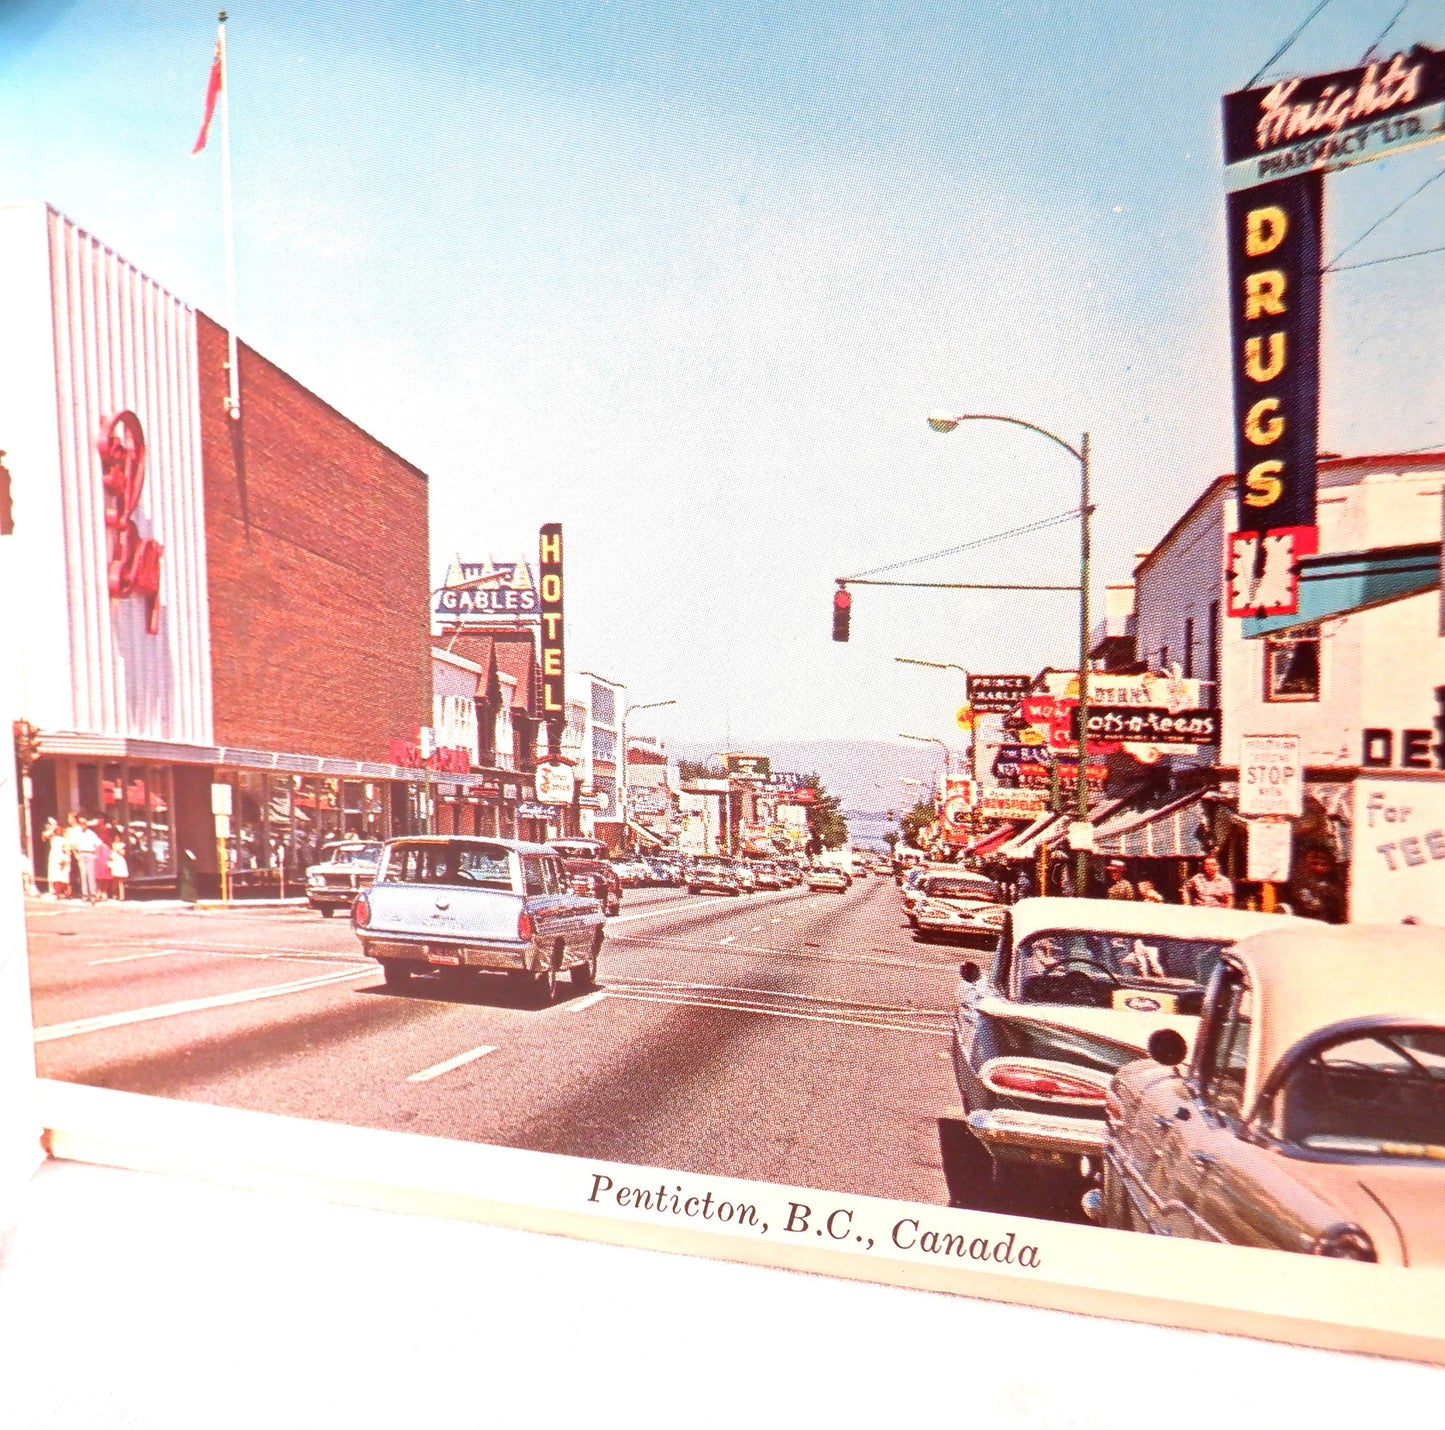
(233, 403)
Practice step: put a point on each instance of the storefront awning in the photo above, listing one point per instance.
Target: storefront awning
(1026, 843)
(1172, 831)
(646, 835)
(991, 842)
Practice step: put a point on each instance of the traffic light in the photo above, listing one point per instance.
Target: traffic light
(842, 612)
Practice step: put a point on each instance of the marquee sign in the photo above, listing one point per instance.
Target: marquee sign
(133, 563)
(1329, 121)
(748, 767)
(998, 694)
(487, 595)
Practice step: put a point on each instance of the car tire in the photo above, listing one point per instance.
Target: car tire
(327, 910)
(396, 973)
(967, 1167)
(584, 975)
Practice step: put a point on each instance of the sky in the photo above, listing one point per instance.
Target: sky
(689, 277)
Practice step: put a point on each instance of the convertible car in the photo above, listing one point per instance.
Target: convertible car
(1073, 992)
(1311, 1116)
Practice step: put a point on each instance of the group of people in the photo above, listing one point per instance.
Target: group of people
(85, 859)
(1210, 888)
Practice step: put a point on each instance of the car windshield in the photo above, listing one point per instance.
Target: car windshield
(351, 854)
(953, 887)
(1377, 1095)
(1122, 959)
(455, 862)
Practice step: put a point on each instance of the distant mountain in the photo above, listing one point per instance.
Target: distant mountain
(867, 775)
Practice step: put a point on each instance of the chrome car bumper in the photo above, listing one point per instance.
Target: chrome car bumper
(1036, 1136)
(433, 953)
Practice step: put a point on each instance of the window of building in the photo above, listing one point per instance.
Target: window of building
(1292, 665)
(604, 705)
(1189, 648)
(1214, 643)
(604, 744)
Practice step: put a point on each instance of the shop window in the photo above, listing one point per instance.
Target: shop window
(1292, 666)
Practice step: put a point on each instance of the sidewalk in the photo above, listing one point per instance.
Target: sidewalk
(37, 903)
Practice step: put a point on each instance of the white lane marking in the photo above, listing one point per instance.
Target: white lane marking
(131, 957)
(191, 1005)
(461, 1060)
(663, 985)
(775, 921)
(676, 908)
(757, 928)
(782, 1013)
(731, 938)
(578, 1003)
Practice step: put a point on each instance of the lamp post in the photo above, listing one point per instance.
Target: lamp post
(972, 734)
(944, 422)
(622, 733)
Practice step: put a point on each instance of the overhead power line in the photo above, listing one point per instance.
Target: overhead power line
(1384, 218)
(1284, 48)
(1041, 525)
(1392, 258)
(1380, 37)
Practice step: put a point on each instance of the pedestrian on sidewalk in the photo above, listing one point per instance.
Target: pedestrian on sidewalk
(102, 865)
(70, 839)
(1148, 893)
(119, 867)
(87, 848)
(57, 861)
(1119, 886)
(1210, 889)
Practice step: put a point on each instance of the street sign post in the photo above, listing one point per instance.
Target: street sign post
(1271, 780)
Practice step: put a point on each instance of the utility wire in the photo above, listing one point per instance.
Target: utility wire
(1385, 31)
(1041, 525)
(1279, 53)
(1393, 258)
(1330, 266)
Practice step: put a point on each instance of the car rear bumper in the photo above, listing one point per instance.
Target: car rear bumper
(431, 953)
(1011, 1135)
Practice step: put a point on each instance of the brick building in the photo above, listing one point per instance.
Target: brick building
(217, 601)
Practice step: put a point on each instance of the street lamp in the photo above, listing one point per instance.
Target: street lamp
(973, 731)
(942, 745)
(622, 732)
(944, 422)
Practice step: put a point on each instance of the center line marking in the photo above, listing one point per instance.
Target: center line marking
(191, 1005)
(461, 1060)
(131, 957)
(731, 938)
(586, 1002)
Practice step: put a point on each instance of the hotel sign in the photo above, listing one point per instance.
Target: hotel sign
(549, 568)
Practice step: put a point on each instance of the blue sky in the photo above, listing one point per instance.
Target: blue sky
(688, 277)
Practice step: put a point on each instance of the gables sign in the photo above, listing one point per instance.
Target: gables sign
(482, 595)
(133, 561)
(1328, 121)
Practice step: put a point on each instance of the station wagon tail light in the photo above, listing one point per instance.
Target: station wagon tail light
(1026, 1077)
(1346, 1242)
(524, 926)
(361, 912)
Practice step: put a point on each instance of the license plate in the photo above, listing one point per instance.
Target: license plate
(446, 956)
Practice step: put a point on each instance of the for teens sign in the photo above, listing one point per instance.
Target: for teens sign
(133, 561)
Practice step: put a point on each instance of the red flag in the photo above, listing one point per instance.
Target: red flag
(213, 88)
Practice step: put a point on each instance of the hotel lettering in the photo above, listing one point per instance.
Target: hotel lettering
(549, 584)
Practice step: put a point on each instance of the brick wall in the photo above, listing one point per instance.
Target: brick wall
(316, 540)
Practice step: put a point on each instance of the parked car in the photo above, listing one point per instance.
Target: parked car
(913, 883)
(768, 875)
(631, 873)
(1311, 1115)
(712, 874)
(588, 871)
(828, 877)
(1073, 991)
(465, 904)
(961, 907)
(346, 868)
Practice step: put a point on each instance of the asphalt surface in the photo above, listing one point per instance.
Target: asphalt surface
(788, 1037)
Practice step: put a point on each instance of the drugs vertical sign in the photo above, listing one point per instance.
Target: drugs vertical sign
(550, 589)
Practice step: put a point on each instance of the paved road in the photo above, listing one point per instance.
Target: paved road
(789, 1037)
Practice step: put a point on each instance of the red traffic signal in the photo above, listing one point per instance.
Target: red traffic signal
(842, 613)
